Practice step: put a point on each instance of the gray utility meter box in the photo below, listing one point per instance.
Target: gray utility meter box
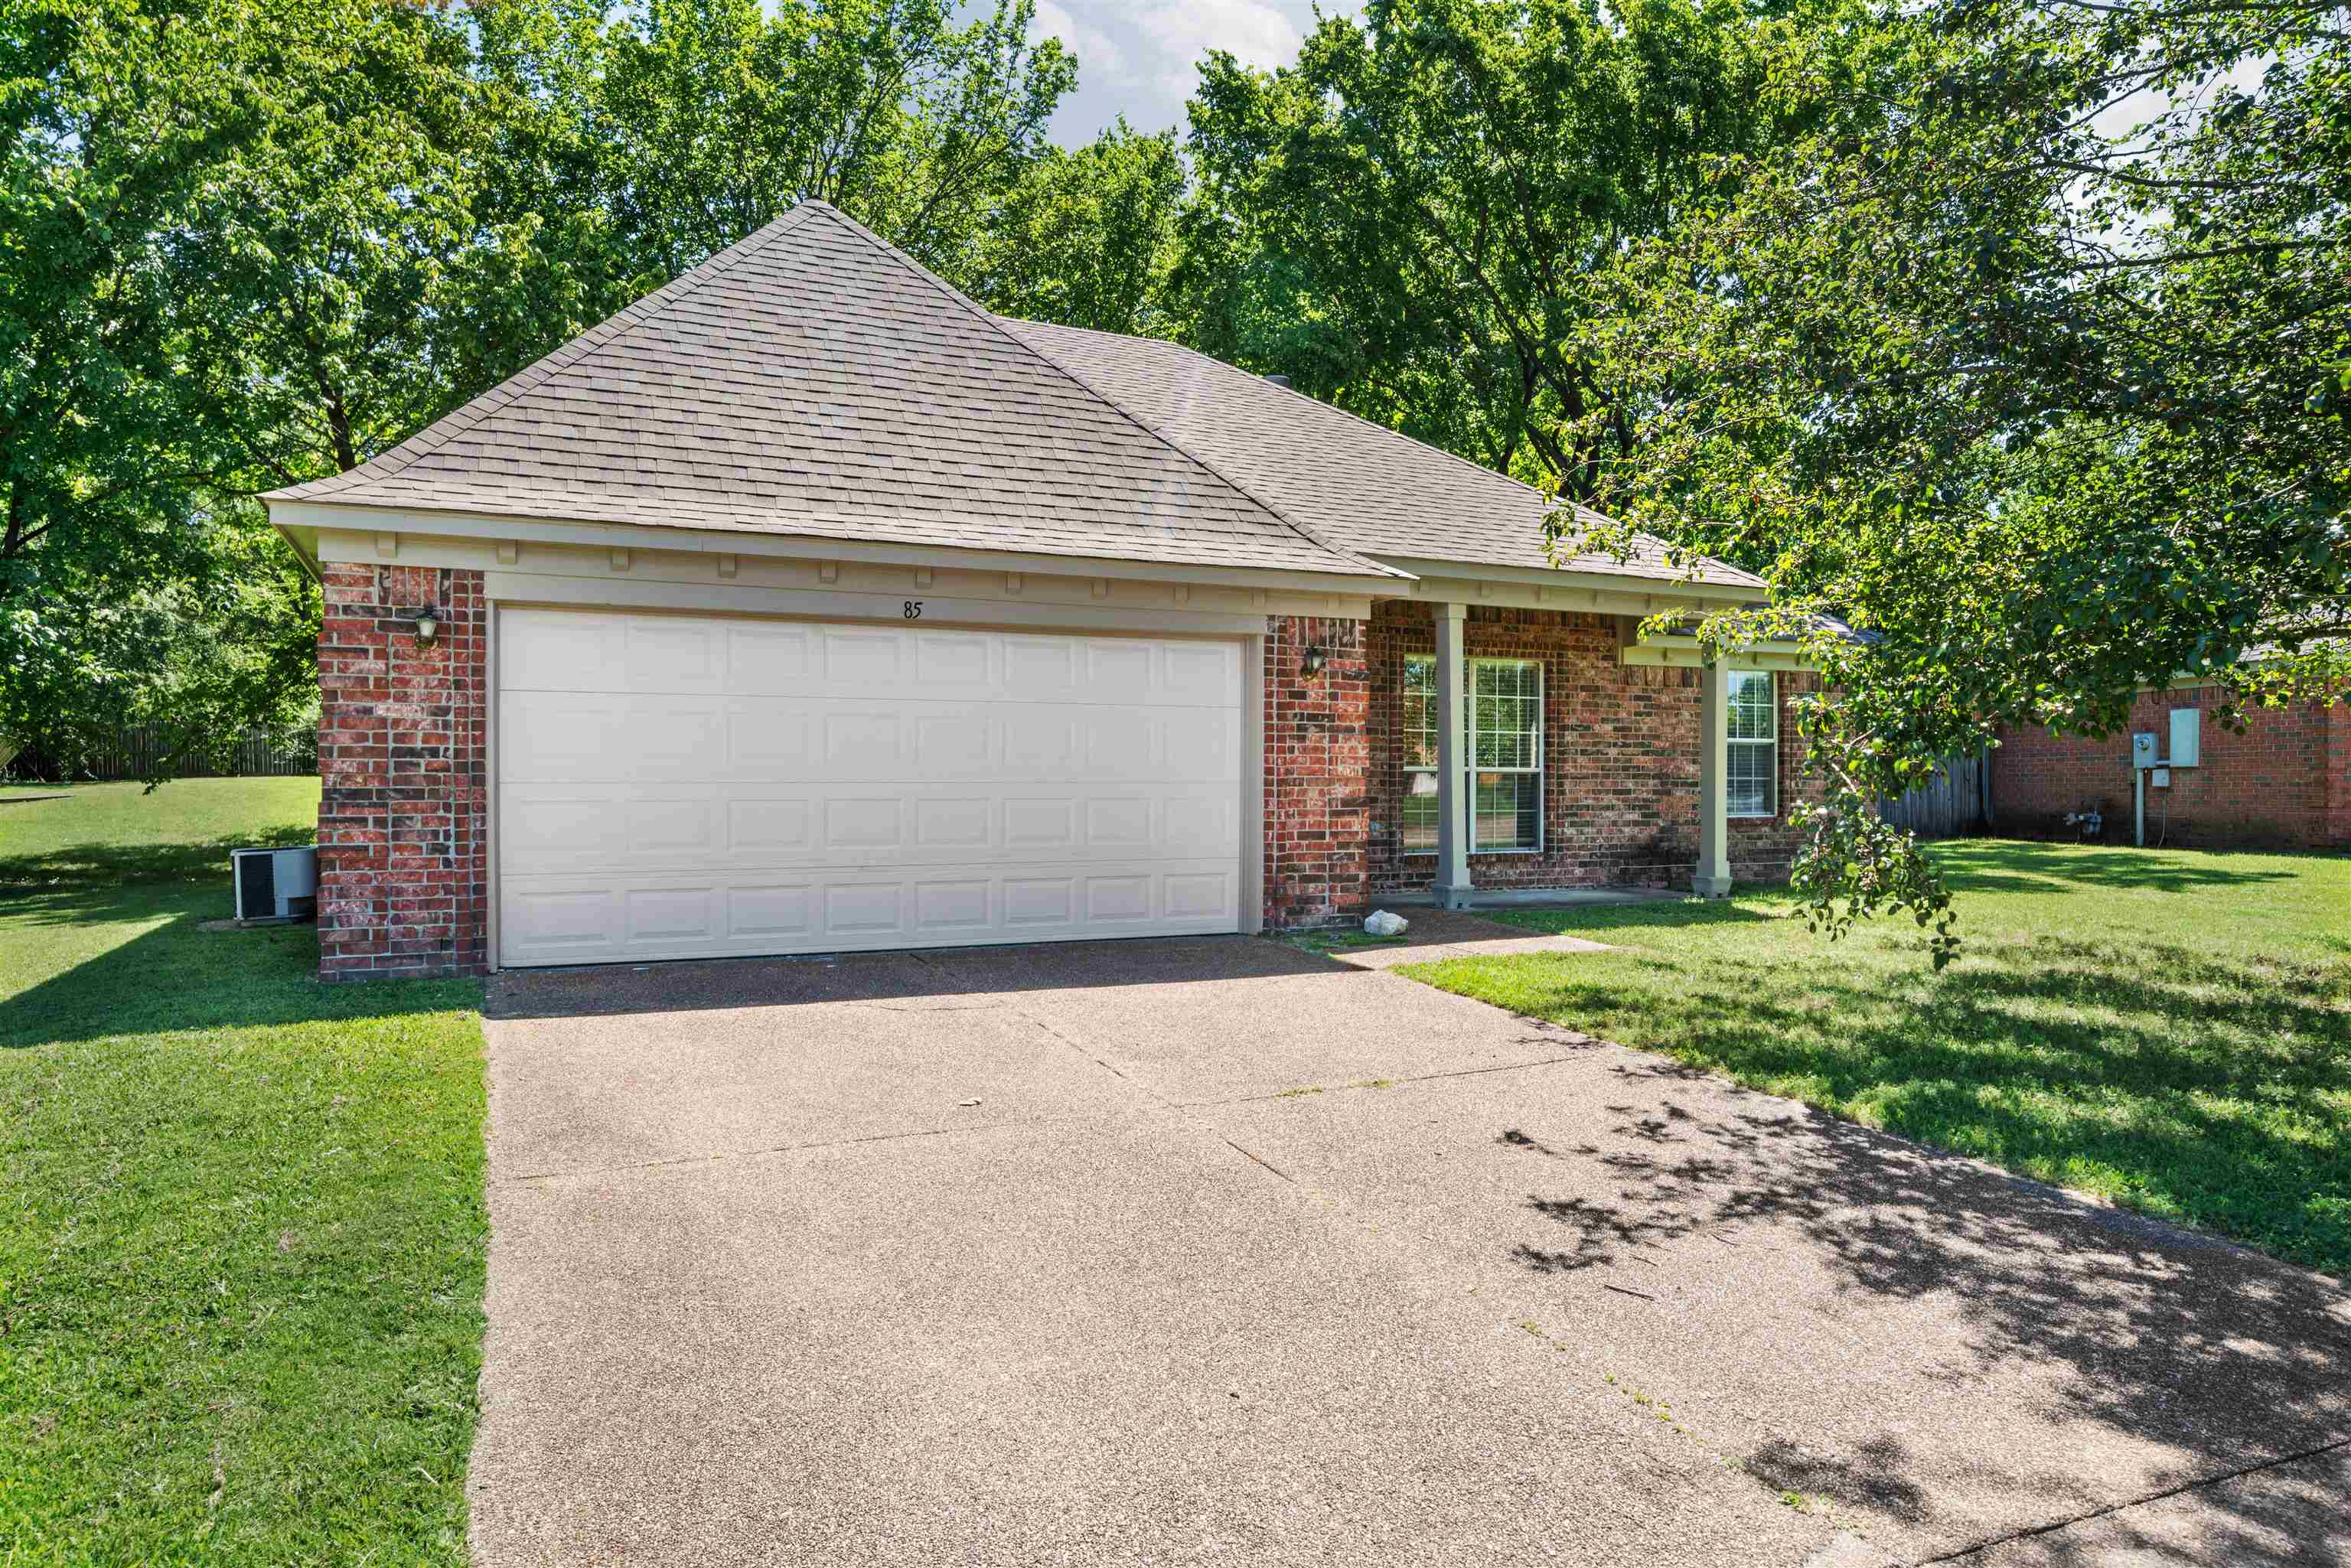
(2187, 736)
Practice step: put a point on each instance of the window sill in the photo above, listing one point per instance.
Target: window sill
(1431, 854)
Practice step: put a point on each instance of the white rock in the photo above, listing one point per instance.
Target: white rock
(1382, 922)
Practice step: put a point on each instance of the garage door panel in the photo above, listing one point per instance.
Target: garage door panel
(864, 825)
(1119, 823)
(561, 925)
(955, 825)
(767, 659)
(1201, 672)
(547, 921)
(953, 746)
(946, 661)
(569, 653)
(1120, 743)
(864, 660)
(671, 917)
(769, 826)
(709, 828)
(780, 912)
(749, 787)
(678, 657)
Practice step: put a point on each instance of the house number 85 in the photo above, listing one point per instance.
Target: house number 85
(914, 610)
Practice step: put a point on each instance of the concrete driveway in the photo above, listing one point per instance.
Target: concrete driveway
(1211, 1251)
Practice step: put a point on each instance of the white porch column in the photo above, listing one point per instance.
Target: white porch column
(1713, 878)
(1452, 889)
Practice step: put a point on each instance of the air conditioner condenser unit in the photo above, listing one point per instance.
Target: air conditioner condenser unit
(276, 885)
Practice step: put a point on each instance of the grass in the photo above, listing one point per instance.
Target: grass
(120, 832)
(2169, 1030)
(241, 1214)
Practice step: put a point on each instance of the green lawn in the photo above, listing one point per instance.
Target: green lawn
(120, 832)
(241, 1214)
(2169, 1031)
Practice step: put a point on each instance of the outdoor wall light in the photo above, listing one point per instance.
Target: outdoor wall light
(428, 625)
(1311, 665)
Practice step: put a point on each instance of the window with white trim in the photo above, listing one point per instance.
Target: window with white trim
(1502, 753)
(1752, 776)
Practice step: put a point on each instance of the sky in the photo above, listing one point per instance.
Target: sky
(1138, 57)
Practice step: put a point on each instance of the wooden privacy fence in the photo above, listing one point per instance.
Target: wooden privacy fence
(136, 748)
(1949, 804)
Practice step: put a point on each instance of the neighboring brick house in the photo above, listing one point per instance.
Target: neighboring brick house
(806, 606)
(2284, 783)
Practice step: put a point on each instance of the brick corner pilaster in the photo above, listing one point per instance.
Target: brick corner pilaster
(404, 793)
(1317, 772)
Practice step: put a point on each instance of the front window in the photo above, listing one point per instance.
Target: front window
(1753, 781)
(1502, 751)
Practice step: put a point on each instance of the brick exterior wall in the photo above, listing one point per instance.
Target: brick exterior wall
(1620, 781)
(2285, 783)
(403, 885)
(1317, 761)
(1620, 758)
(402, 818)
(2338, 773)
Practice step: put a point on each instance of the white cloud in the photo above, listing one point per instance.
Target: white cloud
(1249, 30)
(1141, 58)
(1098, 57)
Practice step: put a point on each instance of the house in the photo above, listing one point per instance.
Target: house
(806, 606)
(2284, 784)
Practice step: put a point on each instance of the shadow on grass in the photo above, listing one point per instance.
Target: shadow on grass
(176, 976)
(2012, 865)
(1662, 915)
(2213, 1095)
(123, 863)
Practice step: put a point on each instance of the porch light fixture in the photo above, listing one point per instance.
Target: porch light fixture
(1311, 665)
(428, 625)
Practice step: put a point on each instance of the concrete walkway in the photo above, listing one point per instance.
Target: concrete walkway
(1213, 1250)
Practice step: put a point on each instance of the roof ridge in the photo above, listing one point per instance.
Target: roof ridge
(995, 323)
(458, 420)
(1551, 502)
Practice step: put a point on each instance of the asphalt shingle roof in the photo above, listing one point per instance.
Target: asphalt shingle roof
(814, 381)
(1352, 482)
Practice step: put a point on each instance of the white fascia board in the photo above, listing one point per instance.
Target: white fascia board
(292, 517)
(1669, 586)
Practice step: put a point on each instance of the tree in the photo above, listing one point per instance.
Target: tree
(123, 594)
(1408, 221)
(713, 117)
(2042, 390)
(254, 242)
(1088, 238)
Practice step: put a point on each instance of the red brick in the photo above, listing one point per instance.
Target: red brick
(402, 873)
(2285, 783)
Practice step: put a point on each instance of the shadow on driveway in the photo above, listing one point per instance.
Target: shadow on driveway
(1101, 1242)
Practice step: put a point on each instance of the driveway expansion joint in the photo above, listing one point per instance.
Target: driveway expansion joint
(1305, 1090)
(2337, 1446)
(722, 1156)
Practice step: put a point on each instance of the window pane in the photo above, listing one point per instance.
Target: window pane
(1419, 830)
(1752, 778)
(1754, 715)
(1420, 712)
(1508, 812)
(1506, 714)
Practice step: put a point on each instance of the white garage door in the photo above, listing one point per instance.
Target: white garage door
(674, 786)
